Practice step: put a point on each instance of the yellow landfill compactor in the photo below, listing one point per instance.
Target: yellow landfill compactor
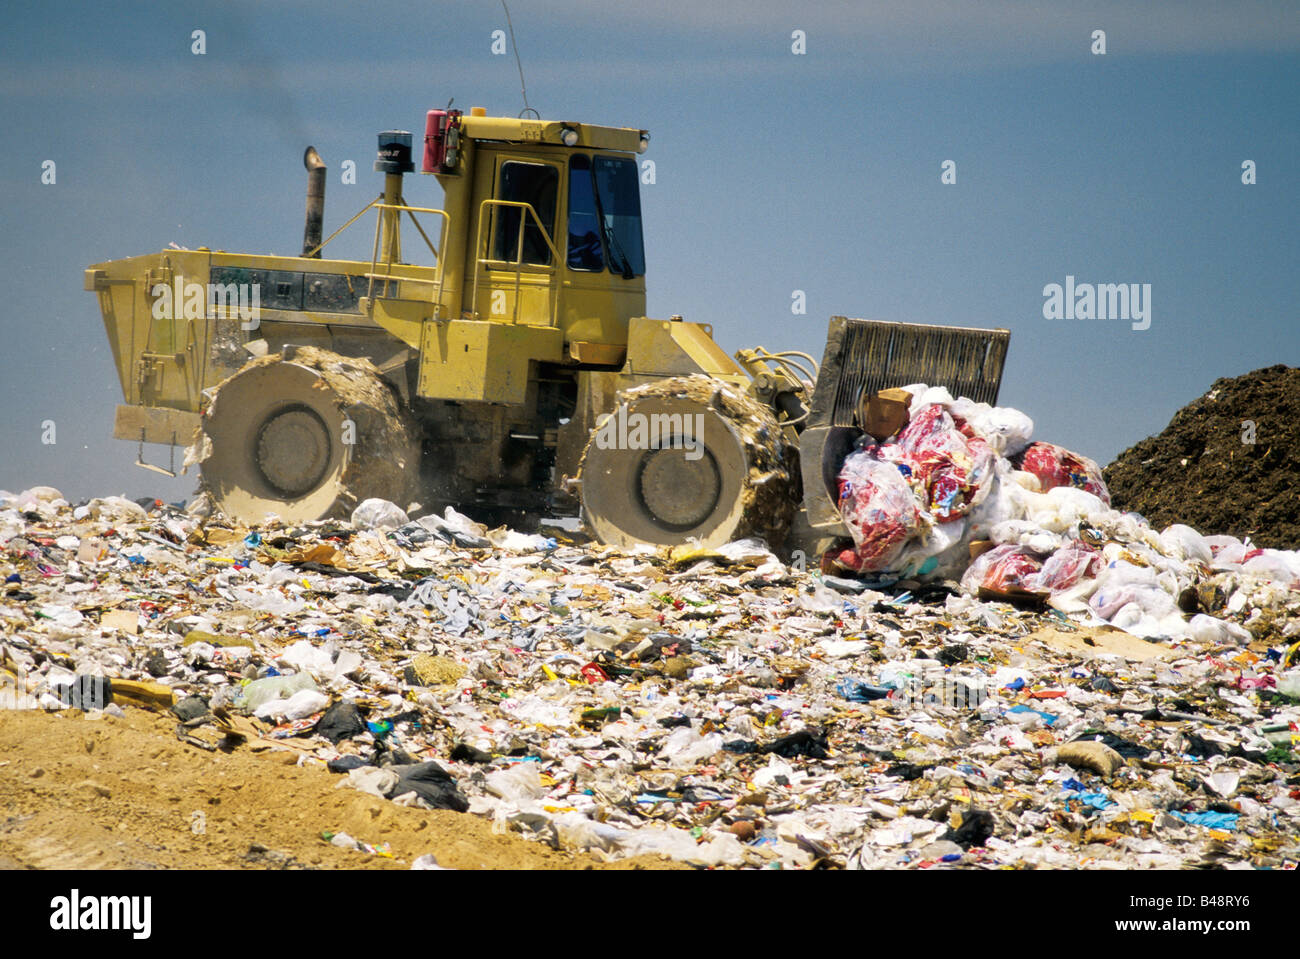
(493, 354)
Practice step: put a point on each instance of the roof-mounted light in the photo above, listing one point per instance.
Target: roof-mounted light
(644, 143)
(569, 136)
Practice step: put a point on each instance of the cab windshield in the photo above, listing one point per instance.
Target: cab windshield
(605, 216)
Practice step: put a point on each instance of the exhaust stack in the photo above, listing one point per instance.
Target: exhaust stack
(311, 233)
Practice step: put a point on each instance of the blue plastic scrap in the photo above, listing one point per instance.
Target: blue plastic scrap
(1048, 718)
(856, 691)
(1214, 820)
(1095, 800)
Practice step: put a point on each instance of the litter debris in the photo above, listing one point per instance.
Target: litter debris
(714, 706)
(1096, 756)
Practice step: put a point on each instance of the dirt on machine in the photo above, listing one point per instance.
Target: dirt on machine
(493, 354)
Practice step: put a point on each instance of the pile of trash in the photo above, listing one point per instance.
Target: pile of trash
(1227, 463)
(962, 491)
(714, 706)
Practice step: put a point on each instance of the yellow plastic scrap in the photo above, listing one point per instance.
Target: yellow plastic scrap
(1290, 655)
(692, 553)
(437, 670)
(215, 639)
(145, 694)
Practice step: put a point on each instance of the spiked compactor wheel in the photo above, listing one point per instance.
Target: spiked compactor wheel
(688, 458)
(306, 437)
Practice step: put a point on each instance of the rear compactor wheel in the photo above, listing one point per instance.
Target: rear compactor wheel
(306, 436)
(651, 474)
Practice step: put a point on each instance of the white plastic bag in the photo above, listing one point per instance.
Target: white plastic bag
(300, 705)
(1183, 542)
(378, 514)
(520, 781)
(1006, 430)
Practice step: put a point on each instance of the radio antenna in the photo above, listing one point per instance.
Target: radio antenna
(515, 47)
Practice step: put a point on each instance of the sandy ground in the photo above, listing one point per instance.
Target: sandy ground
(124, 793)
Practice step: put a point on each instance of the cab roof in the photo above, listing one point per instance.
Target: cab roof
(520, 130)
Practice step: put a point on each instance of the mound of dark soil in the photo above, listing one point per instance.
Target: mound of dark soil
(1203, 470)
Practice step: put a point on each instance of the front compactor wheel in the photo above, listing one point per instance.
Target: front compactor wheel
(687, 458)
(306, 438)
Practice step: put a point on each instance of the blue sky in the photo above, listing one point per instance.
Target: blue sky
(775, 172)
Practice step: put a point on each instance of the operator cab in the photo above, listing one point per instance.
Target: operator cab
(553, 232)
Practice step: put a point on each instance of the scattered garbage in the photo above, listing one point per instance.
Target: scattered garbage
(715, 706)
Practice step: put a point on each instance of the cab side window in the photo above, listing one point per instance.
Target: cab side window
(533, 183)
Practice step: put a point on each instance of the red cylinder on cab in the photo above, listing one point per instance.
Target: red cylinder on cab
(435, 140)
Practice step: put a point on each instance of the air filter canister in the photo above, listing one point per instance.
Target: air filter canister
(394, 152)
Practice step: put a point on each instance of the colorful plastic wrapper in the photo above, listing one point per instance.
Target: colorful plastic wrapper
(1055, 466)
(1003, 568)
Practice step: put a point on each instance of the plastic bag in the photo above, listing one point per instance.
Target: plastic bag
(261, 691)
(943, 549)
(923, 396)
(378, 514)
(456, 528)
(516, 542)
(1226, 552)
(1183, 542)
(1055, 466)
(305, 657)
(1066, 567)
(948, 465)
(300, 705)
(1021, 532)
(1006, 430)
(1002, 568)
(879, 509)
(1063, 508)
(1208, 629)
(1274, 565)
(520, 781)
(1130, 598)
(686, 747)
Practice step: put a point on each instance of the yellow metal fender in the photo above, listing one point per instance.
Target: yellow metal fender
(677, 348)
(484, 362)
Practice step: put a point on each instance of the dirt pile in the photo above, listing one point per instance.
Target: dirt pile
(123, 793)
(1229, 462)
